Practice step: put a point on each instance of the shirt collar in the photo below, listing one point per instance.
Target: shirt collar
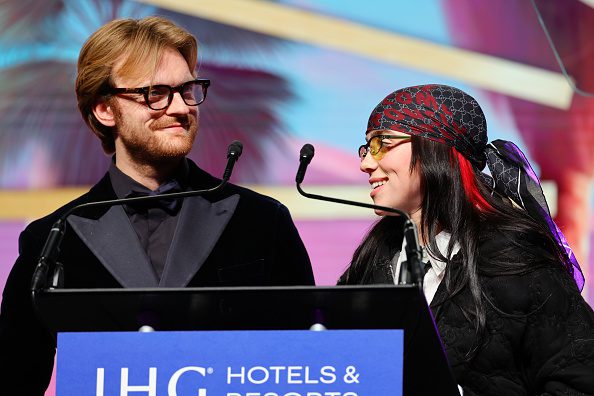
(442, 240)
(123, 184)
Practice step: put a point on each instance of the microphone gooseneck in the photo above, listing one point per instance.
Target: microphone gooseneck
(413, 250)
(47, 263)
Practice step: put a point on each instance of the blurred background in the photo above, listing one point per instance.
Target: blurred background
(290, 72)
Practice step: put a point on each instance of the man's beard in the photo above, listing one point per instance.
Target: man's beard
(148, 146)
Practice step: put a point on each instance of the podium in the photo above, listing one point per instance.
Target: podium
(425, 371)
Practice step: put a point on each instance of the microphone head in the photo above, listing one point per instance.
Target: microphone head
(305, 156)
(235, 149)
(307, 152)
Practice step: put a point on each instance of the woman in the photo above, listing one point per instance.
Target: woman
(502, 283)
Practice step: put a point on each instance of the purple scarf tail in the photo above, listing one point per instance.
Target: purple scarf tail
(514, 178)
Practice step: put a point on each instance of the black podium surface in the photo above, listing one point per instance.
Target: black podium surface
(269, 308)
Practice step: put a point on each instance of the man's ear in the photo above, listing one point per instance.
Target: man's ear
(104, 113)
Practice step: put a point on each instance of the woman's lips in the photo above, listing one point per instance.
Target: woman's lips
(376, 186)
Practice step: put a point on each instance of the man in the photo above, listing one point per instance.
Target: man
(138, 92)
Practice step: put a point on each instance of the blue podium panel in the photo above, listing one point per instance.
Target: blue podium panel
(231, 363)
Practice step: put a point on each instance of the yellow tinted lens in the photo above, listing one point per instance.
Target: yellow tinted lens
(375, 144)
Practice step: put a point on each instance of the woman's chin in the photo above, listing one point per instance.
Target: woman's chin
(380, 212)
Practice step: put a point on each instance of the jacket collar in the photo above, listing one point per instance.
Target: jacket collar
(107, 232)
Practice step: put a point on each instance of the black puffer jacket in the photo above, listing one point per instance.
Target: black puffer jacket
(539, 330)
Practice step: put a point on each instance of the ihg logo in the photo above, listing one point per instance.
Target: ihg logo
(151, 388)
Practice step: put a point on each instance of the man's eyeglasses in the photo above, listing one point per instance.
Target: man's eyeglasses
(375, 146)
(159, 97)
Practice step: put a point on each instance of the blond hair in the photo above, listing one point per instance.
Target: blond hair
(141, 42)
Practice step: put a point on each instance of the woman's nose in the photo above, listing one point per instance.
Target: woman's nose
(368, 163)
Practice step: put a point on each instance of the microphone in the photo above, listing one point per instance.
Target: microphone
(49, 254)
(233, 152)
(412, 266)
(305, 156)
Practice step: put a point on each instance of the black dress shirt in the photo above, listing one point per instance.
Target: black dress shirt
(154, 224)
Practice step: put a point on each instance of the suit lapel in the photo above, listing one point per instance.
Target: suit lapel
(113, 241)
(111, 238)
(199, 227)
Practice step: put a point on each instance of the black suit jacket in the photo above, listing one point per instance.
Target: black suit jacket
(234, 238)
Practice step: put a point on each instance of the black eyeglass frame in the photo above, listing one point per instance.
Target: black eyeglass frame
(203, 82)
(364, 149)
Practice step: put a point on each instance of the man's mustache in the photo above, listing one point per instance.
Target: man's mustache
(186, 122)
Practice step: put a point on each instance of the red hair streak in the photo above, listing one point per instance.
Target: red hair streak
(469, 183)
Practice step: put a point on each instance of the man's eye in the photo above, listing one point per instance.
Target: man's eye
(158, 92)
(188, 93)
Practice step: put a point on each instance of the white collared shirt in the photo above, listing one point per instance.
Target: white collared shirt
(436, 273)
(434, 276)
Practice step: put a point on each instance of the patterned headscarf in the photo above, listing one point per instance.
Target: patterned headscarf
(450, 116)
